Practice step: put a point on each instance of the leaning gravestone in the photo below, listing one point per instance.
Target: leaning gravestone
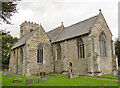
(8, 75)
(29, 81)
(40, 80)
(17, 80)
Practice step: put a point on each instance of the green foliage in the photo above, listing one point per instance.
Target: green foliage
(7, 43)
(117, 50)
(8, 9)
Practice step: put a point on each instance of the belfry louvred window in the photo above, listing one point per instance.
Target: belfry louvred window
(40, 54)
(81, 51)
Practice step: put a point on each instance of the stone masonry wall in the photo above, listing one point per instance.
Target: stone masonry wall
(39, 37)
(69, 53)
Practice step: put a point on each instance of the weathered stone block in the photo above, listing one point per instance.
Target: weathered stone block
(17, 80)
(40, 80)
(29, 81)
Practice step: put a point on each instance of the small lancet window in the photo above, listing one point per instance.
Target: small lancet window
(81, 51)
(102, 42)
(21, 54)
(58, 52)
(40, 54)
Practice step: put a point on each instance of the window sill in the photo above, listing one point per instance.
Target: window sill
(40, 63)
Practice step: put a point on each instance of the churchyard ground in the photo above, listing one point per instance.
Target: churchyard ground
(62, 80)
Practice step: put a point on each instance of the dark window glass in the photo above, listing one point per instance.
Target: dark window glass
(81, 51)
(21, 54)
(58, 52)
(40, 54)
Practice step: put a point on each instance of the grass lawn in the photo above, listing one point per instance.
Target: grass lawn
(108, 76)
(59, 80)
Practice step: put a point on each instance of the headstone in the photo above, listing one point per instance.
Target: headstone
(29, 81)
(44, 74)
(40, 74)
(17, 80)
(115, 72)
(28, 73)
(8, 75)
(75, 73)
(40, 80)
(70, 75)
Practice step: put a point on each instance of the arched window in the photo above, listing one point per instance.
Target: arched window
(21, 54)
(81, 51)
(102, 41)
(31, 30)
(58, 52)
(40, 54)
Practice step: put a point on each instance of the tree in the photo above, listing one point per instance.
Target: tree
(7, 43)
(8, 9)
(117, 50)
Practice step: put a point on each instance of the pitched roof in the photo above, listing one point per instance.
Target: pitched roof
(75, 30)
(22, 40)
(53, 33)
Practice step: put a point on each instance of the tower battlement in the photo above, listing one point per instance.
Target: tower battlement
(28, 23)
(27, 27)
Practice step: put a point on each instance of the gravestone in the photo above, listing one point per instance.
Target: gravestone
(44, 74)
(70, 75)
(115, 72)
(40, 80)
(75, 73)
(29, 81)
(40, 74)
(8, 75)
(28, 73)
(17, 80)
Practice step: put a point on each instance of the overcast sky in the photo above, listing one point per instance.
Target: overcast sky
(50, 13)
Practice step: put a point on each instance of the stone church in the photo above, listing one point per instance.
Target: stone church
(83, 48)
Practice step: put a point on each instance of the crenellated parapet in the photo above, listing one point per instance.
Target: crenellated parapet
(27, 26)
(28, 23)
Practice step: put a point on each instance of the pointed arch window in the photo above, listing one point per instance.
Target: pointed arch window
(58, 52)
(21, 54)
(102, 41)
(40, 54)
(81, 51)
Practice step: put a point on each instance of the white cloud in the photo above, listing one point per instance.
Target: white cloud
(51, 12)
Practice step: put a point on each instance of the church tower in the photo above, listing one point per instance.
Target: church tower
(27, 27)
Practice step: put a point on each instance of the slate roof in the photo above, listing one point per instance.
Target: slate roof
(59, 34)
(54, 33)
(22, 40)
(75, 30)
